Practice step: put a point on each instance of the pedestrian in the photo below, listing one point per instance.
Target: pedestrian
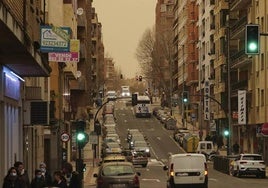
(60, 181)
(38, 181)
(22, 175)
(208, 138)
(72, 177)
(11, 179)
(45, 174)
(236, 148)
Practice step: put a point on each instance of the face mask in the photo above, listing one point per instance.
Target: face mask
(13, 174)
(43, 169)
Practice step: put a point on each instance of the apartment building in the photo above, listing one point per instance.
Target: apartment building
(164, 43)
(185, 72)
(41, 97)
(109, 72)
(20, 58)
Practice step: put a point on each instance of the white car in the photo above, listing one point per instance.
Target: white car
(248, 164)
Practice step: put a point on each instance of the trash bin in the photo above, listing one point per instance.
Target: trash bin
(190, 143)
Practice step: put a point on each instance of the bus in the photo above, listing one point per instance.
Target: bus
(143, 106)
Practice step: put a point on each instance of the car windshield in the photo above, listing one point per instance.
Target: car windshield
(117, 170)
(252, 157)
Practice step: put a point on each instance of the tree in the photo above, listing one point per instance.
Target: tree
(154, 53)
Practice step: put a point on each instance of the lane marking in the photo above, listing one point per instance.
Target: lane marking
(157, 180)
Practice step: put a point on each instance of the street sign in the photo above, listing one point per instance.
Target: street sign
(65, 137)
(93, 138)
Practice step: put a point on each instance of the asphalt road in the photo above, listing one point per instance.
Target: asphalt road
(161, 144)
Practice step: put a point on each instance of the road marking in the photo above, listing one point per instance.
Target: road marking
(212, 179)
(152, 150)
(159, 138)
(157, 180)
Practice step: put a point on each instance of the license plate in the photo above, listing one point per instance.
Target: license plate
(118, 186)
(253, 169)
(181, 174)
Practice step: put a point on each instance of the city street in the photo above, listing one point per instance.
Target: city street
(162, 143)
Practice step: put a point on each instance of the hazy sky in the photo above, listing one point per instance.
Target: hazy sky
(123, 24)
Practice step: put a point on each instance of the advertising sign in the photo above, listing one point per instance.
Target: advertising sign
(63, 56)
(207, 101)
(55, 39)
(242, 107)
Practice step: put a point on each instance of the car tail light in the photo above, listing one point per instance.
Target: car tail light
(172, 169)
(206, 169)
(243, 162)
(136, 180)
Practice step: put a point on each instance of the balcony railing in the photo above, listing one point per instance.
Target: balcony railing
(240, 85)
(34, 93)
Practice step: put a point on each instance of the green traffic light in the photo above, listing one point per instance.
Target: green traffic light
(81, 136)
(226, 133)
(252, 46)
(185, 100)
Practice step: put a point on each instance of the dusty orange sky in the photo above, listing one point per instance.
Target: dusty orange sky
(124, 22)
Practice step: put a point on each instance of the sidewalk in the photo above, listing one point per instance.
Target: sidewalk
(91, 168)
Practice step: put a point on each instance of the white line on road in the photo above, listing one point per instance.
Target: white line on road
(212, 179)
(157, 180)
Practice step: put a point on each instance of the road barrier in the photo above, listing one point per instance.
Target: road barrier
(222, 164)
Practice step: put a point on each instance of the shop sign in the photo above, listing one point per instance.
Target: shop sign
(242, 107)
(207, 101)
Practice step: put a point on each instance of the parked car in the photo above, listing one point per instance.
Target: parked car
(170, 123)
(136, 157)
(248, 164)
(117, 174)
(187, 169)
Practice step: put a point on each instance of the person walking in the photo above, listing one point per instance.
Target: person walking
(45, 174)
(72, 177)
(11, 179)
(38, 181)
(60, 181)
(23, 176)
(236, 148)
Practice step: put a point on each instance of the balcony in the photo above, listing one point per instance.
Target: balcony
(34, 93)
(239, 59)
(240, 85)
(238, 28)
(79, 84)
(81, 20)
(239, 4)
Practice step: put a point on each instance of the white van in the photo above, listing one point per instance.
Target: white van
(187, 169)
(206, 148)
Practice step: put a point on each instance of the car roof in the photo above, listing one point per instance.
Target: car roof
(111, 157)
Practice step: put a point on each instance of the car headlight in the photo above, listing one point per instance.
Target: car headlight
(147, 150)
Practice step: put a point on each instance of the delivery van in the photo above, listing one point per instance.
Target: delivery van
(187, 169)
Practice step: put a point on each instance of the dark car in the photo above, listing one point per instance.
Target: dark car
(117, 174)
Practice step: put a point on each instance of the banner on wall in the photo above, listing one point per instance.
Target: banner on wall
(242, 107)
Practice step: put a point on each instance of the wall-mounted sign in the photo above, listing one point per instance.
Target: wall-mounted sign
(63, 56)
(242, 107)
(55, 39)
(207, 101)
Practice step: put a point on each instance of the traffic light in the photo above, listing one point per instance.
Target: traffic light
(134, 99)
(226, 132)
(140, 78)
(81, 136)
(185, 96)
(252, 41)
(97, 127)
